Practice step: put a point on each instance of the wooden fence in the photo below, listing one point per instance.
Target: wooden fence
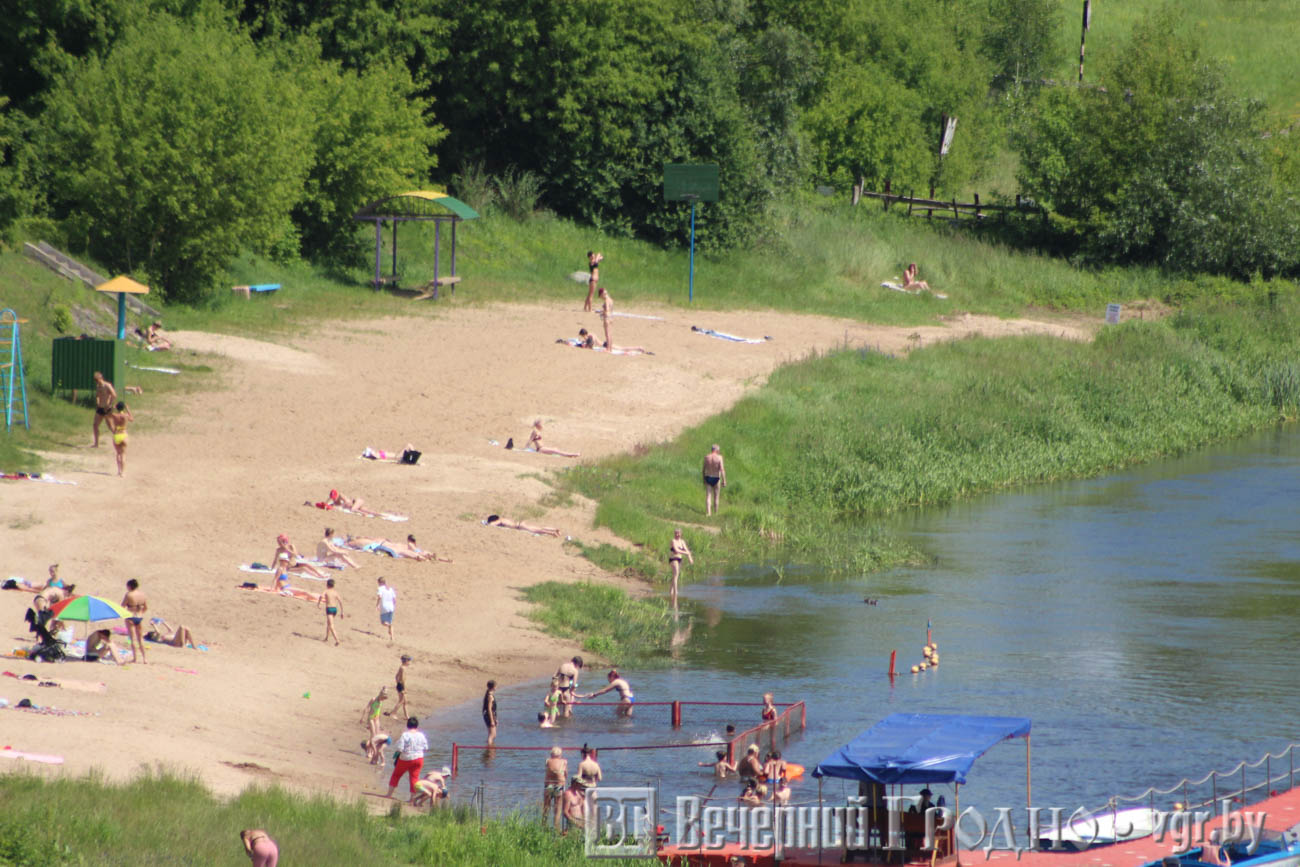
(953, 209)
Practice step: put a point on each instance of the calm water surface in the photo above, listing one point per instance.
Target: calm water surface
(1144, 621)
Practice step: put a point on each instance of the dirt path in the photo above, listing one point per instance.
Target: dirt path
(210, 487)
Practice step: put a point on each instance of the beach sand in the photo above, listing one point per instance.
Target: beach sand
(210, 484)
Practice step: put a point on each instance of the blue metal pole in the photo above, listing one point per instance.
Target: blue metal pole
(690, 297)
(121, 316)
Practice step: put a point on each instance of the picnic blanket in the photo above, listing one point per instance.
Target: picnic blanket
(722, 335)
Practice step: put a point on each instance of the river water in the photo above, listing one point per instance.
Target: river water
(1144, 621)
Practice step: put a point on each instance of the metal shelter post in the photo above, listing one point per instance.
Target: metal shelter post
(453, 251)
(394, 274)
(1029, 780)
(437, 245)
(690, 291)
(379, 253)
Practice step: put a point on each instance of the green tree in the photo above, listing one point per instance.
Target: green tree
(178, 148)
(371, 135)
(1019, 37)
(1164, 165)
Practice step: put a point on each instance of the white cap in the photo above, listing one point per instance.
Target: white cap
(446, 771)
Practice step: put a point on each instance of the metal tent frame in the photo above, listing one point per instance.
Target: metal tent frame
(423, 206)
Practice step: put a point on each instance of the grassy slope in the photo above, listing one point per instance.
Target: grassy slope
(67, 821)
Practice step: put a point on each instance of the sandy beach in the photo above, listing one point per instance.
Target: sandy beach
(212, 479)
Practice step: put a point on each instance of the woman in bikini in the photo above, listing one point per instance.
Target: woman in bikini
(768, 714)
(676, 550)
(286, 557)
(910, 283)
(535, 441)
(498, 521)
(593, 269)
(260, 848)
(117, 424)
(164, 634)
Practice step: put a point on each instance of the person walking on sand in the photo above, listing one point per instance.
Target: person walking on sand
(535, 441)
(259, 847)
(105, 398)
(386, 604)
(606, 314)
(490, 711)
(676, 550)
(400, 677)
(333, 608)
(557, 771)
(411, 747)
(370, 716)
(117, 424)
(138, 604)
(715, 479)
(593, 271)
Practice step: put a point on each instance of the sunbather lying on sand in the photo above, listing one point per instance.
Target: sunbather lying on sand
(284, 588)
(164, 634)
(586, 340)
(393, 457)
(352, 504)
(498, 521)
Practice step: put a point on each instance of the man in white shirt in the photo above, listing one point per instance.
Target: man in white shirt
(411, 747)
(386, 602)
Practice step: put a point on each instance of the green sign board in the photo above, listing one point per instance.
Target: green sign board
(691, 182)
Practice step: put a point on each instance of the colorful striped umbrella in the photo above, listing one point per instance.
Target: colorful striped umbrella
(88, 608)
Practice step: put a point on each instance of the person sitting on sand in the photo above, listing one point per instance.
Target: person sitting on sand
(286, 557)
(535, 442)
(721, 767)
(432, 789)
(910, 283)
(153, 336)
(99, 645)
(498, 521)
(331, 554)
(181, 636)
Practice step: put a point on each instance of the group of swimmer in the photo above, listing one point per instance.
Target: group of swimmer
(563, 695)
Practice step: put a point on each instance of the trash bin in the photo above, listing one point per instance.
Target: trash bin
(74, 360)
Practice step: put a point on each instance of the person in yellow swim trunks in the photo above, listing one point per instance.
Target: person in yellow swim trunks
(117, 420)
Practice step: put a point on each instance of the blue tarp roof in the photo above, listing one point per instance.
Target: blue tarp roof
(920, 748)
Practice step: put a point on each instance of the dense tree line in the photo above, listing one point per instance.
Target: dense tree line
(166, 135)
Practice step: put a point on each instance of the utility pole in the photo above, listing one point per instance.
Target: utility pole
(1083, 34)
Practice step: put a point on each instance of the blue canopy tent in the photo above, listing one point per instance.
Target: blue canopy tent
(922, 748)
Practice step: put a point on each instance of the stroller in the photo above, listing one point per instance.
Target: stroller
(48, 648)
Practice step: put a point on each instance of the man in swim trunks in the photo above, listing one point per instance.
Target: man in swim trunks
(625, 697)
(568, 673)
(400, 677)
(117, 424)
(490, 711)
(575, 806)
(105, 397)
(715, 478)
(137, 603)
(557, 771)
(386, 602)
(333, 606)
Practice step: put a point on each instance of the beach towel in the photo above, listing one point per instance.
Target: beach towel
(34, 477)
(387, 516)
(898, 287)
(638, 316)
(272, 591)
(721, 335)
(168, 370)
(576, 343)
(267, 570)
(11, 753)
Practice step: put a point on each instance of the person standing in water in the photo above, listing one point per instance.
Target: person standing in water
(676, 550)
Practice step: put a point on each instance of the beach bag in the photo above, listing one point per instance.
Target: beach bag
(411, 456)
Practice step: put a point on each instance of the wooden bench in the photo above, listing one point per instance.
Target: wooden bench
(259, 287)
(431, 288)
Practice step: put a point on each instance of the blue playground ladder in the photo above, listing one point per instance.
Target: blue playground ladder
(12, 369)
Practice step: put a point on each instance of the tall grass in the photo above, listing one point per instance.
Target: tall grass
(163, 818)
(855, 434)
(609, 622)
